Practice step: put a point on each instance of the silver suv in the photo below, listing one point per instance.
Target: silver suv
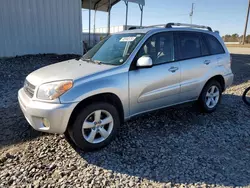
(124, 75)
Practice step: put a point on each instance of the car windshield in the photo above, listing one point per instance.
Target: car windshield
(114, 49)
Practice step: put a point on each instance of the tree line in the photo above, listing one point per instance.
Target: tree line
(236, 38)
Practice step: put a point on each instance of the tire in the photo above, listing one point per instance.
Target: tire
(246, 96)
(204, 104)
(81, 133)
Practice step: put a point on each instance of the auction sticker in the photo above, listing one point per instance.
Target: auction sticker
(127, 39)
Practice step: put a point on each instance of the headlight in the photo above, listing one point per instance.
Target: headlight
(53, 90)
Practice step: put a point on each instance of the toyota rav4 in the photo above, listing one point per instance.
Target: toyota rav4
(127, 74)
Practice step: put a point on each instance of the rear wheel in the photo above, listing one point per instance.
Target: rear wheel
(95, 126)
(210, 96)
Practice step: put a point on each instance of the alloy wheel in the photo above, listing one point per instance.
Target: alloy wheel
(97, 126)
(212, 96)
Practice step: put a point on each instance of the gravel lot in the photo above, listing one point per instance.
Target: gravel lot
(173, 147)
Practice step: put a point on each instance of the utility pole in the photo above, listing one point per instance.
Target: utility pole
(192, 13)
(245, 31)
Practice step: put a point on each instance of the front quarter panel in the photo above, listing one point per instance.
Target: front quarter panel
(114, 81)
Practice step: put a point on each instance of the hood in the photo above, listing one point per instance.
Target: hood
(72, 69)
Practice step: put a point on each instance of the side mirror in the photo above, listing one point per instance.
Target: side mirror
(144, 61)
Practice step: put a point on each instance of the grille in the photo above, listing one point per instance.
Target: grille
(29, 88)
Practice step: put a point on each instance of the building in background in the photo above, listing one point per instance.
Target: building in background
(50, 26)
(113, 29)
(100, 33)
(39, 27)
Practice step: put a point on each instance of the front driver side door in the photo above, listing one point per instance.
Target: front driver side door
(157, 86)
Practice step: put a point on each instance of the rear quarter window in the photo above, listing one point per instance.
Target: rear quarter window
(214, 45)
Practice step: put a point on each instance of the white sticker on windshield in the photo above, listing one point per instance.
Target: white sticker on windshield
(127, 39)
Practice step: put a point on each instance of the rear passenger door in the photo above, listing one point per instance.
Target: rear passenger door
(195, 62)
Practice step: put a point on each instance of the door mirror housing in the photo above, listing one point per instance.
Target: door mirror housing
(144, 61)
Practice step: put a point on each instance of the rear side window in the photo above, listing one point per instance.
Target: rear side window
(189, 45)
(204, 48)
(214, 45)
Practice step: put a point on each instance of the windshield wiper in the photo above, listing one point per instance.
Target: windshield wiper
(92, 61)
(98, 62)
(88, 60)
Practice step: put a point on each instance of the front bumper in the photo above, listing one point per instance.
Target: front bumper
(57, 115)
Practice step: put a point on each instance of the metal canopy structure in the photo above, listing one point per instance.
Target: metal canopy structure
(105, 6)
(141, 3)
(99, 5)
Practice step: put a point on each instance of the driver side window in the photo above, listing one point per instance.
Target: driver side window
(159, 47)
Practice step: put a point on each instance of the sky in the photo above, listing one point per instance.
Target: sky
(226, 16)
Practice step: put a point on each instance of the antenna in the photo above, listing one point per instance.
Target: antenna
(191, 13)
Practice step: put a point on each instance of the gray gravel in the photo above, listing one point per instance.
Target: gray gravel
(177, 147)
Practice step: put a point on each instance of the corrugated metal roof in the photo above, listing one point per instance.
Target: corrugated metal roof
(103, 5)
(100, 5)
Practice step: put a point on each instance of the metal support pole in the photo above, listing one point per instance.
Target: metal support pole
(109, 9)
(141, 8)
(89, 20)
(245, 30)
(94, 37)
(94, 20)
(126, 21)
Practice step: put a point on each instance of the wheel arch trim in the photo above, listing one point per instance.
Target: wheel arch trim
(108, 97)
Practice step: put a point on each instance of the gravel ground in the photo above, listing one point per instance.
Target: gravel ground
(176, 147)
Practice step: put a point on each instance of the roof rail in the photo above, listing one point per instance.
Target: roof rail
(159, 25)
(132, 28)
(169, 25)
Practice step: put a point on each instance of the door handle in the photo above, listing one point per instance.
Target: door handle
(173, 69)
(207, 62)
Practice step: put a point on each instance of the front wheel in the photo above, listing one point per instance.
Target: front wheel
(246, 96)
(95, 126)
(210, 96)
